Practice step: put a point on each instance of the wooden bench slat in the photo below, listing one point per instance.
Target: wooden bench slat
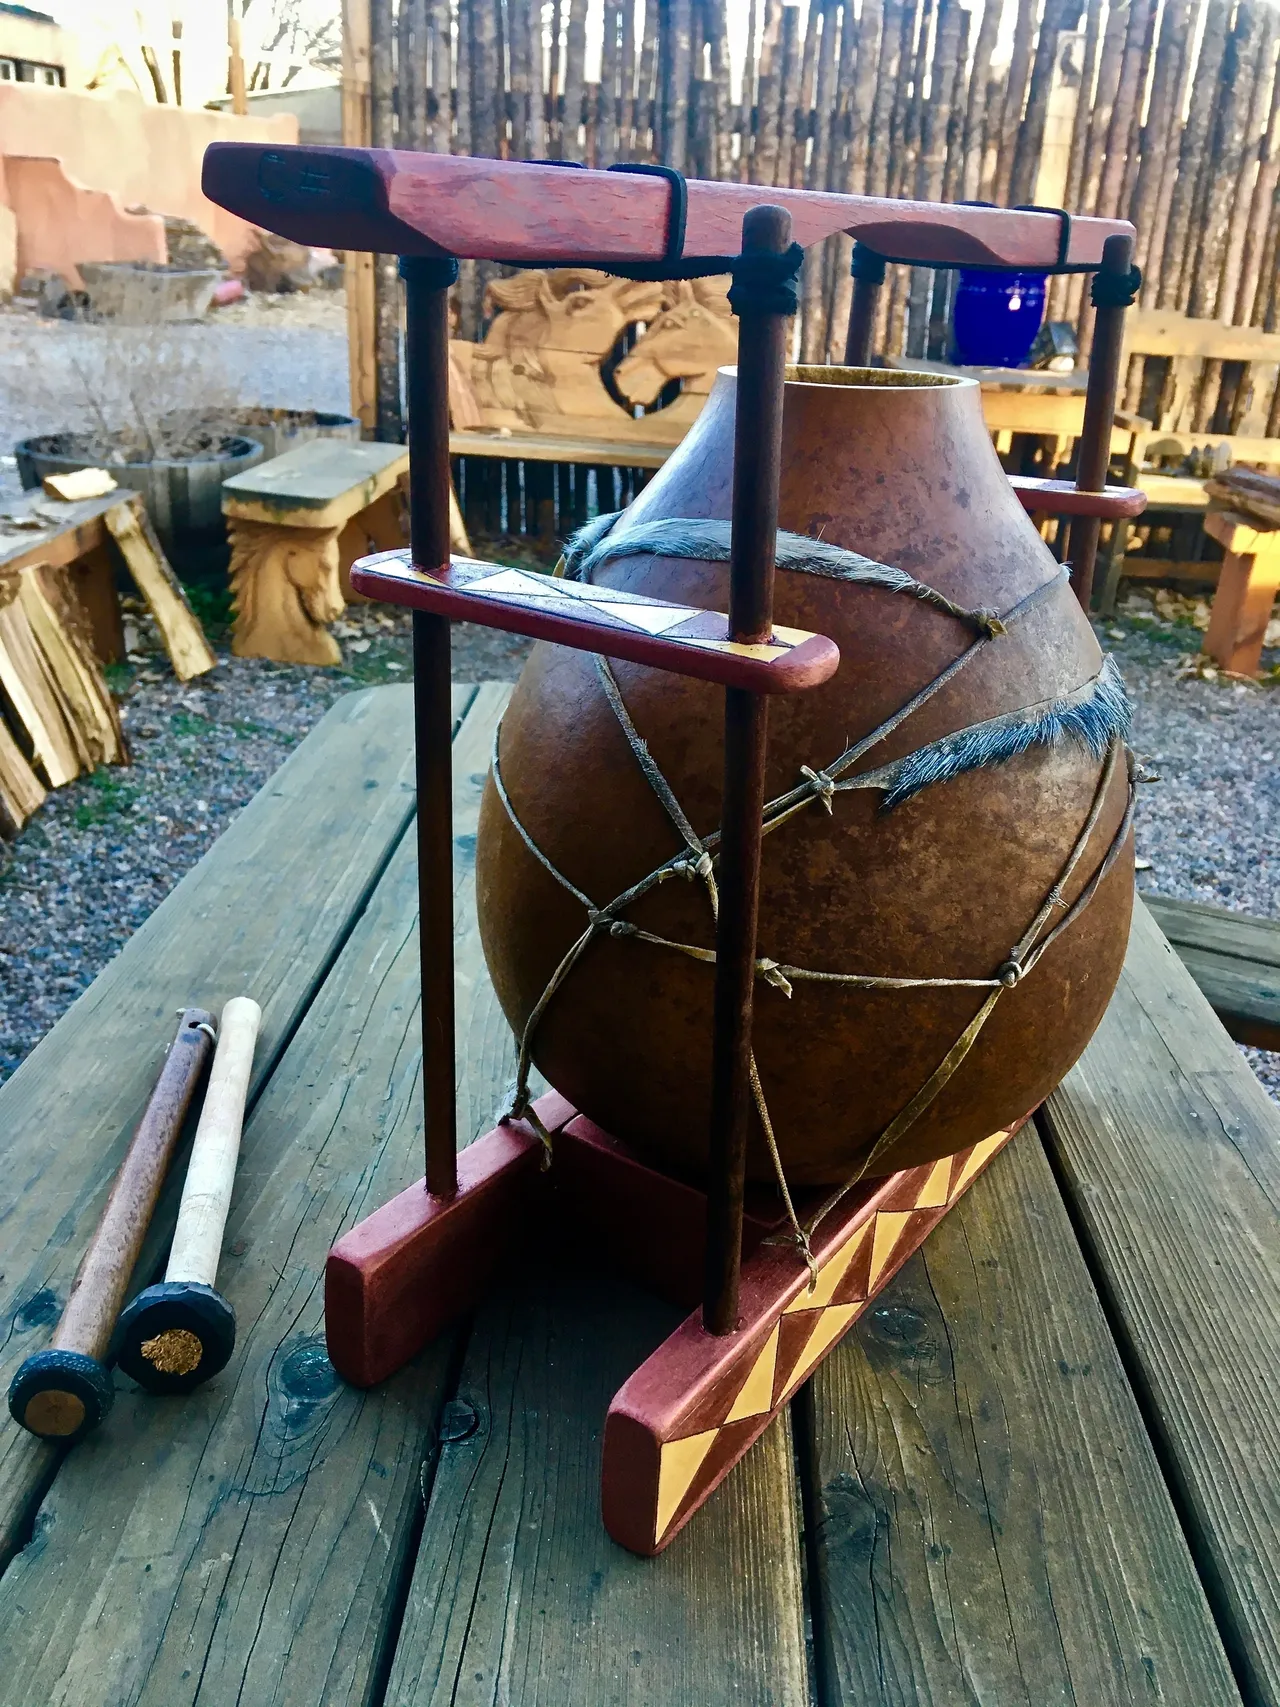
(1169, 1150)
(1234, 958)
(318, 835)
(250, 1541)
(989, 1522)
(520, 1596)
(320, 484)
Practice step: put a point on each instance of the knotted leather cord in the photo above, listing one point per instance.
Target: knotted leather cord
(697, 861)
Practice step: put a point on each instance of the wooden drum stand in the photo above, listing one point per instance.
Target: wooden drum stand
(763, 1319)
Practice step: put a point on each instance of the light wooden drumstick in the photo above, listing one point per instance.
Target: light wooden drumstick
(175, 1335)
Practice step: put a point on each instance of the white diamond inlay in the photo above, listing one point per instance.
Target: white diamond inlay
(654, 619)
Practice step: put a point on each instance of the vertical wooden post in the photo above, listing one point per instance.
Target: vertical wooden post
(757, 459)
(1100, 405)
(358, 266)
(867, 269)
(386, 278)
(427, 364)
(235, 54)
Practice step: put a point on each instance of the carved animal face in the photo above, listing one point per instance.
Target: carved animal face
(315, 576)
(568, 309)
(689, 341)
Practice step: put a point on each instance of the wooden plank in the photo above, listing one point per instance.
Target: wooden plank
(189, 651)
(315, 838)
(1169, 1151)
(1173, 492)
(1245, 994)
(1216, 930)
(521, 211)
(1162, 332)
(680, 638)
(542, 447)
(520, 1596)
(320, 484)
(249, 1543)
(1021, 379)
(988, 1519)
(65, 531)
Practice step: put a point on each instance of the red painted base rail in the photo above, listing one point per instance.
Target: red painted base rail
(679, 1424)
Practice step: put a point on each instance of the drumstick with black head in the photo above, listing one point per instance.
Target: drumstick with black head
(65, 1391)
(177, 1334)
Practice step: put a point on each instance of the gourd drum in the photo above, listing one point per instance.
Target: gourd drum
(939, 881)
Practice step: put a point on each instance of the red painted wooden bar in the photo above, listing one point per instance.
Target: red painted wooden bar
(680, 1423)
(666, 636)
(527, 212)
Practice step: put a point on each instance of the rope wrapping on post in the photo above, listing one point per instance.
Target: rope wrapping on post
(433, 272)
(1115, 290)
(867, 265)
(766, 284)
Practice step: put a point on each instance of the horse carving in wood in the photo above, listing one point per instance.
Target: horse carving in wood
(538, 369)
(694, 336)
(285, 588)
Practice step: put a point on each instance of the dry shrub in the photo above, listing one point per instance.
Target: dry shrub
(131, 389)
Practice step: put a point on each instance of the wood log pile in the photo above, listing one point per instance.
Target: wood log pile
(60, 719)
(1167, 111)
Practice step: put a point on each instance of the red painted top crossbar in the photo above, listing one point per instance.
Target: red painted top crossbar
(515, 211)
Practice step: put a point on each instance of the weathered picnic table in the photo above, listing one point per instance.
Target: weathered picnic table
(1044, 1466)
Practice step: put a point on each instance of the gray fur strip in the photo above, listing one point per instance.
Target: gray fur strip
(708, 541)
(1092, 716)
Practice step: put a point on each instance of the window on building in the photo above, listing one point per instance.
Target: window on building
(8, 71)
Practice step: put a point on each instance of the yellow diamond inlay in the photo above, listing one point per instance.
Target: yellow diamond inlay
(889, 1226)
(977, 1157)
(826, 1331)
(935, 1191)
(678, 1465)
(757, 1390)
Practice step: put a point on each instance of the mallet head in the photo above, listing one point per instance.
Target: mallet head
(60, 1395)
(175, 1335)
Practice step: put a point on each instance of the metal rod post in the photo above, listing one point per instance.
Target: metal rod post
(1099, 417)
(868, 275)
(757, 458)
(427, 363)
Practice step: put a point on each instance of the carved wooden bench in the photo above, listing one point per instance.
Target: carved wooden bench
(296, 524)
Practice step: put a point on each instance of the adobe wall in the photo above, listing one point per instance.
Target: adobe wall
(142, 154)
(58, 223)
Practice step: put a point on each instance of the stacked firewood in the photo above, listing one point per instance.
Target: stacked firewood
(61, 718)
(58, 720)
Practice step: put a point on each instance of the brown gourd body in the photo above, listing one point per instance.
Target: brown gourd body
(900, 468)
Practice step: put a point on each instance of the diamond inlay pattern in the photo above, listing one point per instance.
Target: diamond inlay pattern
(807, 1325)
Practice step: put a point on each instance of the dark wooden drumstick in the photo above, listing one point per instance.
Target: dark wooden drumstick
(175, 1335)
(65, 1391)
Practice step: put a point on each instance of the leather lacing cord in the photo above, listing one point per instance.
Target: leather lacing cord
(696, 863)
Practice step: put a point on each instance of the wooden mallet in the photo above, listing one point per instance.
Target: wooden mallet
(175, 1335)
(65, 1391)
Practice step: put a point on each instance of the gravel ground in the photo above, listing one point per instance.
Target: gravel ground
(102, 853)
